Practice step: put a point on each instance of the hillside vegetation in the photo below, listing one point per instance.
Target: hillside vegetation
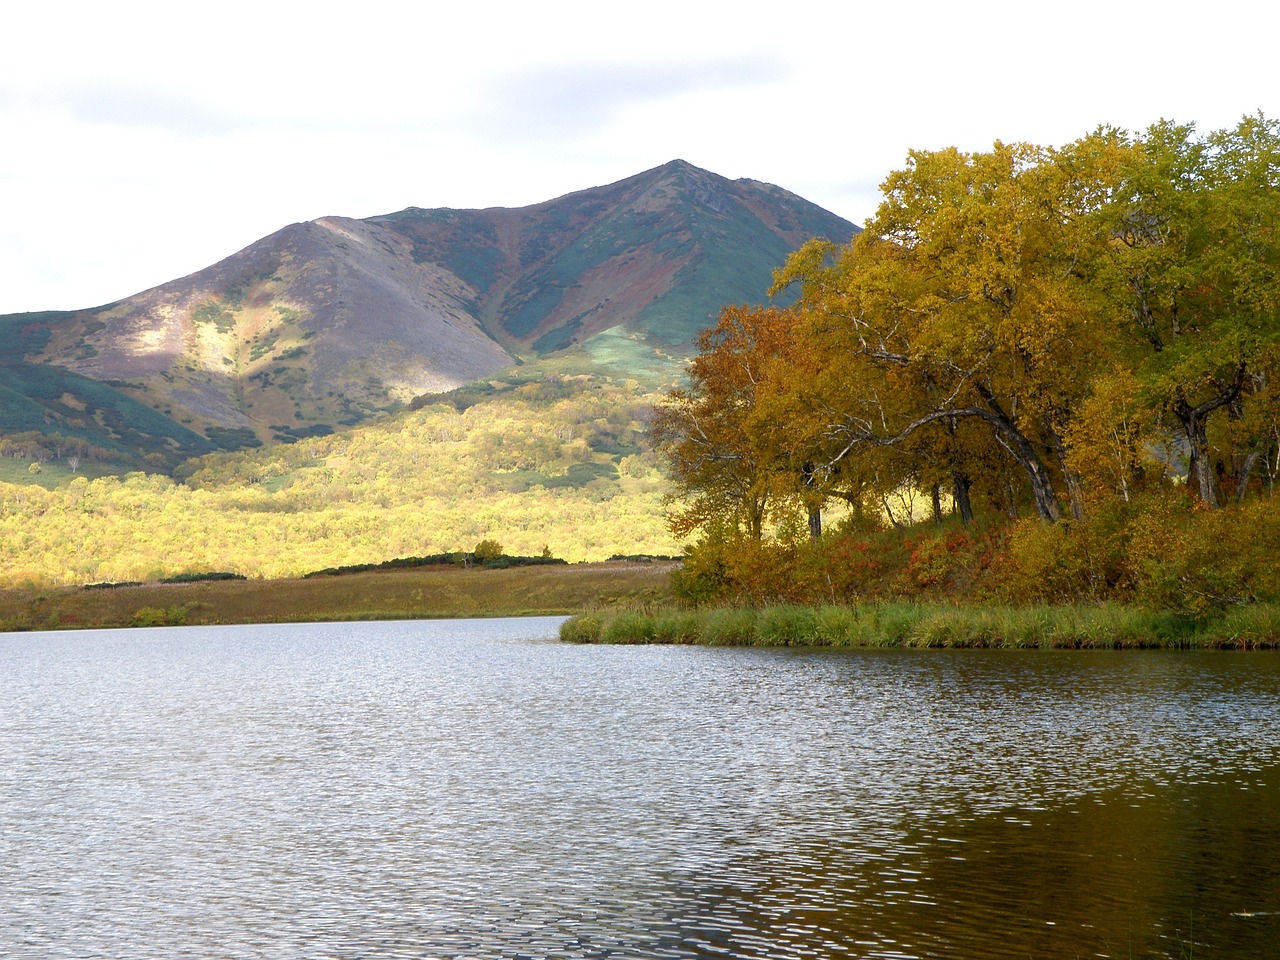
(556, 462)
(235, 420)
(1041, 376)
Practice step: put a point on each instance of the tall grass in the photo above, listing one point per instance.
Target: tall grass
(786, 626)
(627, 626)
(898, 624)
(1245, 628)
(726, 626)
(675, 626)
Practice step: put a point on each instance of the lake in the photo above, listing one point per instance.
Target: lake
(476, 789)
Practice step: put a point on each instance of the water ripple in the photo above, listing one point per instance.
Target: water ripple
(471, 790)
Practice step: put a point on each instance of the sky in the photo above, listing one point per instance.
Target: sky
(143, 141)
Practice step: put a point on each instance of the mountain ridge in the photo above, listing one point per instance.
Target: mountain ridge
(330, 322)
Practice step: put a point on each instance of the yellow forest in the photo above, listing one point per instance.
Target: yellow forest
(569, 475)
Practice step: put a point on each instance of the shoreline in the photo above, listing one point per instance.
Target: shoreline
(625, 602)
(434, 592)
(1102, 626)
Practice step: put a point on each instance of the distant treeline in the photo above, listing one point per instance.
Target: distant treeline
(460, 558)
(178, 578)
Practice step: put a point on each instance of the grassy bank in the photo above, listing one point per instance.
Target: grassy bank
(444, 591)
(1098, 626)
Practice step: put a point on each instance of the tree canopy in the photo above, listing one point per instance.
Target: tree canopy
(1034, 329)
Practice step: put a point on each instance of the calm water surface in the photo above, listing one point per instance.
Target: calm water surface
(472, 789)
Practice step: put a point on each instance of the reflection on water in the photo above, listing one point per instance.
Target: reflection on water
(468, 789)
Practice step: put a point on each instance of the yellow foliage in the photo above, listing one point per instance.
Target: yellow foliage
(430, 481)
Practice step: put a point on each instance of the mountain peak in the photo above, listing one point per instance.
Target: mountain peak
(336, 320)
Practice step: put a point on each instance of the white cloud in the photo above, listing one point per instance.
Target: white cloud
(145, 140)
(582, 99)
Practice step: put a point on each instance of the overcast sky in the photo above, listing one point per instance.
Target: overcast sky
(140, 141)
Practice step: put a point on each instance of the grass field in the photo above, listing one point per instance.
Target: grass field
(384, 595)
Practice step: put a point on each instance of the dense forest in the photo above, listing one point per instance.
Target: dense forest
(556, 463)
(1070, 356)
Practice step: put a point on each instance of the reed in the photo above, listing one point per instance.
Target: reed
(675, 626)
(628, 626)
(1067, 626)
(786, 626)
(1251, 627)
(843, 626)
(893, 623)
(585, 628)
(727, 626)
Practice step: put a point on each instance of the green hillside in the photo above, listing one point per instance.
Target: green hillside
(46, 412)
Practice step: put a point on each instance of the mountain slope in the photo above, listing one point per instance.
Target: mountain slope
(658, 254)
(334, 321)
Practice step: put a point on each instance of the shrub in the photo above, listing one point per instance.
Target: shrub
(174, 616)
(1043, 563)
(853, 568)
(1197, 561)
(702, 577)
(201, 577)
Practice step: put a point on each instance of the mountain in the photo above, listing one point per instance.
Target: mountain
(658, 254)
(334, 321)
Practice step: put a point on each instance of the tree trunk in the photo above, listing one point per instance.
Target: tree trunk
(814, 507)
(1200, 476)
(960, 493)
(888, 512)
(1246, 472)
(1200, 470)
(755, 517)
(936, 496)
(1075, 494)
(1042, 492)
(1006, 431)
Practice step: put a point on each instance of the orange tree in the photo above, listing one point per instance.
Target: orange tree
(967, 303)
(725, 453)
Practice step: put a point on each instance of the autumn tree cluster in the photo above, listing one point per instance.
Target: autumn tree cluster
(1058, 333)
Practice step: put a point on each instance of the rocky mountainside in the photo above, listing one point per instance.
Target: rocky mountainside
(331, 322)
